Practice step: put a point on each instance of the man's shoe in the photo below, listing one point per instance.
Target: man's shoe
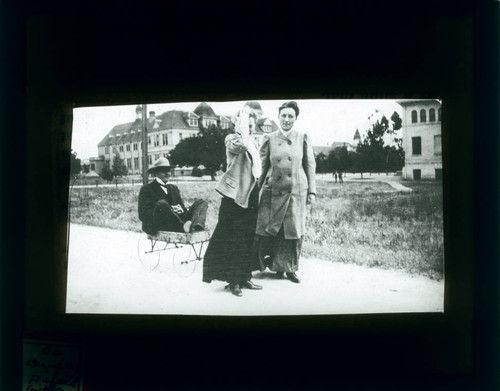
(250, 285)
(293, 277)
(187, 226)
(279, 275)
(196, 228)
(235, 289)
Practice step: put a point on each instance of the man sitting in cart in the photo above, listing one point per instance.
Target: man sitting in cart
(161, 207)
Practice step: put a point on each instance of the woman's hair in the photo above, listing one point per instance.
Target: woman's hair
(292, 105)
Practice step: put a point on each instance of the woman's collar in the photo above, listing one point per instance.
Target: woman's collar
(286, 134)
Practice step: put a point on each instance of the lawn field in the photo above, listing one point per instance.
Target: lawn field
(364, 223)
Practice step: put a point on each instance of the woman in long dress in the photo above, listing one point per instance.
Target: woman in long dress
(287, 184)
(228, 256)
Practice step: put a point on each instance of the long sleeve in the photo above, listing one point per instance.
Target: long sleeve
(146, 204)
(309, 164)
(236, 143)
(265, 160)
(239, 141)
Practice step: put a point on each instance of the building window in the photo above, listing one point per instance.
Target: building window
(92, 167)
(437, 144)
(416, 144)
(417, 175)
(157, 156)
(121, 148)
(439, 114)
(157, 140)
(423, 116)
(165, 138)
(414, 119)
(106, 150)
(193, 122)
(165, 155)
(129, 163)
(150, 159)
(128, 147)
(432, 115)
(135, 146)
(149, 140)
(180, 136)
(136, 163)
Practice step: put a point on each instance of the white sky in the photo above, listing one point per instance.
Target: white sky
(325, 120)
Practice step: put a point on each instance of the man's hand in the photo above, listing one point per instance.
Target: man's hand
(311, 199)
(177, 208)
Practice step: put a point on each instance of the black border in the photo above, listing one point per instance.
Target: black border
(79, 58)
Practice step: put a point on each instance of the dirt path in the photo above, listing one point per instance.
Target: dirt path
(106, 276)
(393, 181)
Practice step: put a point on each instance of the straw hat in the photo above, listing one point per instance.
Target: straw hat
(160, 163)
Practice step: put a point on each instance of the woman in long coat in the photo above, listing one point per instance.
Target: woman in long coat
(228, 256)
(287, 184)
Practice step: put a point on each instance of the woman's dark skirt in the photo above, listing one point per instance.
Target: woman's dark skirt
(228, 256)
(277, 253)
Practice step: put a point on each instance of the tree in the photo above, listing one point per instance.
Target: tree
(374, 156)
(186, 152)
(342, 158)
(75, 166)
(321, 163)
(207, 149)
(107, 173)
(119, 168)
(396, 119)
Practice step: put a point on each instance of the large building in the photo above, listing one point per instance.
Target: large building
(422, 139)
(165, 131)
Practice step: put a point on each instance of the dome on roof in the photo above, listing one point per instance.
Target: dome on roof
(204, 110)
(256, 107)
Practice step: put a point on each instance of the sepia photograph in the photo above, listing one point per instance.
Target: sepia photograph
(258, 207)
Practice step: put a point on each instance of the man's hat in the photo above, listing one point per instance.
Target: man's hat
(160, 163)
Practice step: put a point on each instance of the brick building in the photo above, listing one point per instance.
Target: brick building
(165, 131)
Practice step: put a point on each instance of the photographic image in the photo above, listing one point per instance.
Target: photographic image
(256, 208)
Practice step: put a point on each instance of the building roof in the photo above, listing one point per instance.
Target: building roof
(324, 150)
(356, 135)
(256, 107)
(260, 123)
(204, 110)
(174, 119)
(408, 102)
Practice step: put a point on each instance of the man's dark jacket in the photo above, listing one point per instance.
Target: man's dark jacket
(149, 195)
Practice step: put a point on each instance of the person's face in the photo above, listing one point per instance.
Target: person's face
(287, 118)
(251, 125)
(163, 174)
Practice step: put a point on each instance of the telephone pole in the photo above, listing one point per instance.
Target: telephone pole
(145, 159)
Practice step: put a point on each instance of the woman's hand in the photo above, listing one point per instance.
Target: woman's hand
(311, 199)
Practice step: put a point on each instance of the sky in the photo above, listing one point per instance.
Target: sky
(325, 120)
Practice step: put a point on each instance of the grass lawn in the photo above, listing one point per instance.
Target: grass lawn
(362, 223)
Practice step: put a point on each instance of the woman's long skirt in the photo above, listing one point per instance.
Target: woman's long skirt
(277, 253)
(228, 256)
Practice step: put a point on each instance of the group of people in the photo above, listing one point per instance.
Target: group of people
(261, 222)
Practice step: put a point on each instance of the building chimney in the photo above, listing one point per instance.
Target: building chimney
(152, 115)
(138, 112)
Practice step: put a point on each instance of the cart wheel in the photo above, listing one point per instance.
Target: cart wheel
(184, 261)
(149, 252)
